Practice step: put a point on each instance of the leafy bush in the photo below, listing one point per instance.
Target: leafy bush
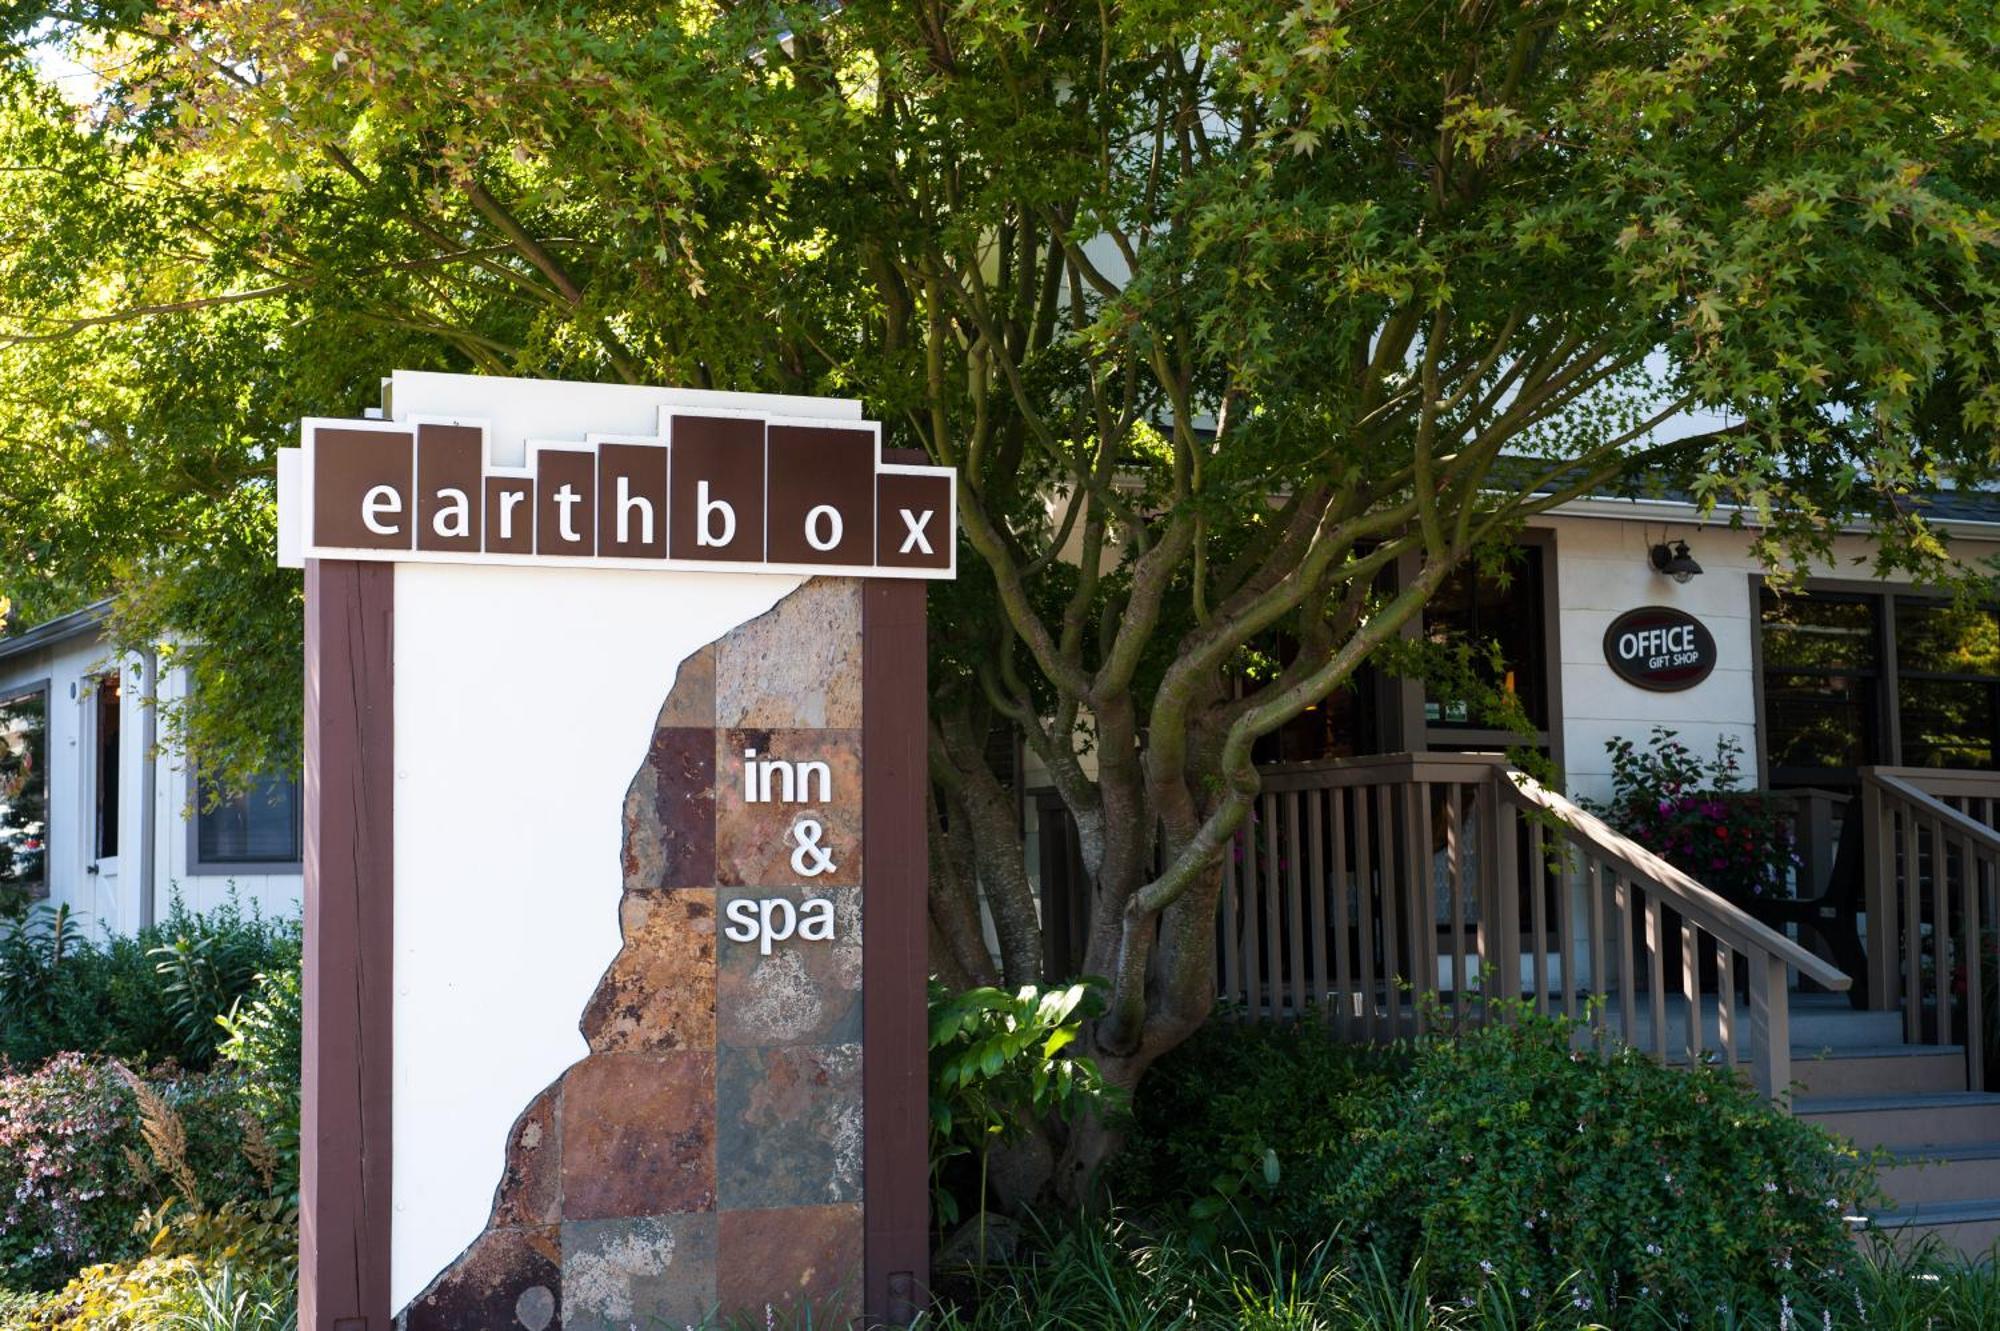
(1234, 1119)
(1693, 812)
(141, 999)
(998, 1063)
(1510, 1160)
(263, 1045)
(86, 1147)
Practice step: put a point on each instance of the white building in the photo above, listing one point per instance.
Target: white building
(124, 825)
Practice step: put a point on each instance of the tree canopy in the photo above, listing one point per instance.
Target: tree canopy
(1224, 311)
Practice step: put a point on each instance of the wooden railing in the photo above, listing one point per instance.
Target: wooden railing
(1388, 893)
(1933, 869)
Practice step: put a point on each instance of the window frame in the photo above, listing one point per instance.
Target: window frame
(197, 867)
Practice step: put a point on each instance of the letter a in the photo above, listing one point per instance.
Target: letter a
(454, 516)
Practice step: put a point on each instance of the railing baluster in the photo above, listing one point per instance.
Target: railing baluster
(1566, 950)
(1392, 895)
(1770, 1027)
(1274, 911)
(1486, 799)
(1507, 902)
(1343, 925)
(1253, 989)
(1295, 904)
(1594, 888)
(1691, 988)
(1454, 831)
(1879, 894)
(1725, 1000)
(1538, 882)
(1941, 930)
(1913, 932)
(1423, 900)
(1975, 994)
(1656, 972)
(1628, 997)
(1232, 966)
(1316, 888)
(1364, 895)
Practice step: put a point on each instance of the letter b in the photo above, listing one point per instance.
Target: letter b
(706, 511)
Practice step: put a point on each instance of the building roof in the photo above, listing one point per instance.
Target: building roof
(75, 624)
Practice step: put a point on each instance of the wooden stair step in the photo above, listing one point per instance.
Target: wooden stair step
(1927, 1176)
(1890, 1069)
(1970, 1227)
(1937, 1119)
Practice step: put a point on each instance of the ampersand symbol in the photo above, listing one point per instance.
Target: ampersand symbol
(811, 859)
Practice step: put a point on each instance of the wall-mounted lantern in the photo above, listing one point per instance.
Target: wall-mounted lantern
(1675, 561)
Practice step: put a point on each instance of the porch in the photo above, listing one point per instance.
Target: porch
(1392, 895)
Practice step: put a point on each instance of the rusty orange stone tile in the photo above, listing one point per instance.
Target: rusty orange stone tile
(777, 842)
(659, 994)
(638, 1135)
(794, 1260)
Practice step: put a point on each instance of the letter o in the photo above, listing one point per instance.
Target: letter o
(1628, 645)
(813, 521)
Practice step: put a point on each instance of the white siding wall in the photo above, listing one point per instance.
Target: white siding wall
(1602, 570)
(111, 900)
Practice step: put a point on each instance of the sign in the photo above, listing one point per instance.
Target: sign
(616, 863)
(1660, 648)
(732, 491)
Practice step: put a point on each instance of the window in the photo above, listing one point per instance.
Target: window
(1852, 678)
(1502, 607)
(1947, 671)
(105, 732)
(253, 828)
(24, 804)
(1822, 666)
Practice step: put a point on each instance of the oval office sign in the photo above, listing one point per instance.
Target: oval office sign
(1660, 648)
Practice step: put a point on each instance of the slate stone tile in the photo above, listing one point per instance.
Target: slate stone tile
(796, 665)
(530, 1191)
(638, 1135)
(759, 844)
(645, 1271)
(670, 813)
(795, 1260)
(508, 1280)
(806, 991)
(692, 700)
(659, 994)
(788, 1129)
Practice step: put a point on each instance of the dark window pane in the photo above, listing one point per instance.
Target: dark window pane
(1941, 638)
(1818, 633)
(24, 804)
(1947, 723)
(260, 825)
(1818, 720)
(106, 759)
(1503, 608)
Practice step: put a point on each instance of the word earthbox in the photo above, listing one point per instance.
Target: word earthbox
(711, 490)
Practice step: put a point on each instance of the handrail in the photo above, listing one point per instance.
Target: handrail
(1932, 805)
(1718, 913)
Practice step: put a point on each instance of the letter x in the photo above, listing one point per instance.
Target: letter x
(916, 522)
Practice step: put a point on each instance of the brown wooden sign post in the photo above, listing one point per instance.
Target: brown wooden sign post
(615, 859)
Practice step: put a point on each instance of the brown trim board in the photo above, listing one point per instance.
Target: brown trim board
(895, 942)
(344, 1178)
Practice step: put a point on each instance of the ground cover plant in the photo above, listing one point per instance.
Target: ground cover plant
(145, 997)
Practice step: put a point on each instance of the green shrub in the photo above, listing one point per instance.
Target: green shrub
(140, 999)
(78, 1167)
(263, 1046)
(1233, 1122)
(1510, 1160)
